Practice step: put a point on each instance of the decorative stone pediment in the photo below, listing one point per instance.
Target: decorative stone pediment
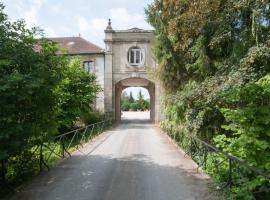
(135, 29)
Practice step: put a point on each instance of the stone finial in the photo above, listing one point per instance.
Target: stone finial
(109, 27)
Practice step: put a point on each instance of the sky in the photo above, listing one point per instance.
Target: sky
(135, 92)
(89, 18)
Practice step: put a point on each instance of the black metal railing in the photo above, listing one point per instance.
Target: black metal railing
(57, 147)
(62, 145)
(237, 179)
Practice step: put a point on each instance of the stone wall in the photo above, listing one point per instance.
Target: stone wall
(117, 68)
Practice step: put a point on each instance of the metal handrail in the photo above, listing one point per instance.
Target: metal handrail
(50, 146)
(242, 163)
(79, 129)
(201, 152)
(79, 133)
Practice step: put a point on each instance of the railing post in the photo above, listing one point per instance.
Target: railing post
(3, 172)
(40, 158)
(102, 127)
(3, 178)
(191, 154)
(63, 148)
(83, 136)
(205, 158)
(230, 173)
(93, 127)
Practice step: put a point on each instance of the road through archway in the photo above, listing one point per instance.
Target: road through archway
(134, 82)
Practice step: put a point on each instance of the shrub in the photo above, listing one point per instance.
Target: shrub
(92, 117)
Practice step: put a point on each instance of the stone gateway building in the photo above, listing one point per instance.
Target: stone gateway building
(127, 61)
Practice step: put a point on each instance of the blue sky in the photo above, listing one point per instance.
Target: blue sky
(71, 17)
(88, 18)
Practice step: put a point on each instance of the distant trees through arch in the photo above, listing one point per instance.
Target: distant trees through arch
(135, 101)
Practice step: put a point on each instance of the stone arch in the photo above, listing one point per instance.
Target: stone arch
(134, 82)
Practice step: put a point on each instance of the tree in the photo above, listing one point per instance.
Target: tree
(129, 103)
(134, 106)
(78, 91)
(140, 95)
(131, 98)
(142, 103)
(30, 72)
(208, 51)
(41, 93)
(125, 104)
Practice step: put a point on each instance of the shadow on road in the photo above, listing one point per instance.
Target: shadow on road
(132, 161)
(105, 177)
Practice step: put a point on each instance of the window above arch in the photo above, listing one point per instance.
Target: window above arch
(135, 56)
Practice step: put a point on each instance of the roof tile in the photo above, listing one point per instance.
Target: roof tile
(77, 45)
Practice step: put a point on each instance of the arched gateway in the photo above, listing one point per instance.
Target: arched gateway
(134, 82)
(125, 62)
(128, 59)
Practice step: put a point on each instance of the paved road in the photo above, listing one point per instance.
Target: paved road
(137, 116)
(134, 161)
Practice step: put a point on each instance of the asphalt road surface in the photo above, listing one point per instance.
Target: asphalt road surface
(133, 161)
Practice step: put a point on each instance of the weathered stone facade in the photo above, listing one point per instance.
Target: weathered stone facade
(117, 67)
(120, 74)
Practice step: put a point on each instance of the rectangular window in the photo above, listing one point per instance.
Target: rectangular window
(88, 67)
(135, 56)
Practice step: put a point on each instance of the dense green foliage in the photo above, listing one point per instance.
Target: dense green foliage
(28, 78)
(214, 61)
(78, 92)
(129, 103)
(42, 93)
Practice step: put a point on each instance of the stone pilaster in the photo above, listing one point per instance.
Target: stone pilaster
(108, 74)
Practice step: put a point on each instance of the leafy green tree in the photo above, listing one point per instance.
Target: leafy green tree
(212, 42)
(78, 91)
(41, 91)
(134, 106)
(131, 98)
(30, 72)
(142, 103)
(125, 104)
(140, 95)
(209, 53)
(248, 129)
(129, 103)
(145, 105)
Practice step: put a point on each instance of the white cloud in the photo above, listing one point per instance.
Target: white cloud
(93, 29)
(30, 13)
(56, 8)
(50, 32)
(121, 19)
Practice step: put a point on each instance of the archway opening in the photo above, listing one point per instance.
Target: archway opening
(135, 85)
(135, 104)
